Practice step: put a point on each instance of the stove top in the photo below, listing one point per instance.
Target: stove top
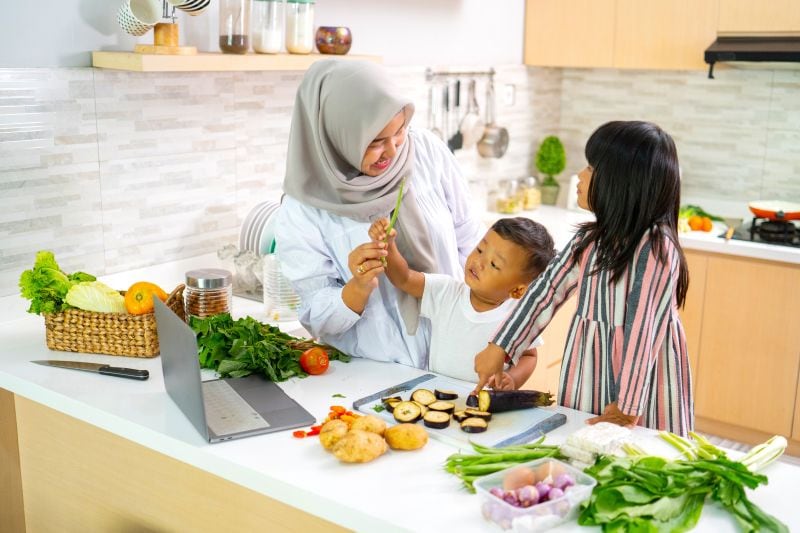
(778, 232)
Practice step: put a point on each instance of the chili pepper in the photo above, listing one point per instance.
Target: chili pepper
(338, 409)
(299, 434)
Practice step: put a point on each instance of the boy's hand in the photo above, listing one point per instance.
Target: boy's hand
(506, 383)
(612, 414)
(377, 231)
(489, 363)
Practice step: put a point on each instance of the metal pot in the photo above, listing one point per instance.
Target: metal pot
(494, 142)
(775, 209)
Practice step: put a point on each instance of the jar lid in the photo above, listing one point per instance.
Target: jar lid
(208, 278)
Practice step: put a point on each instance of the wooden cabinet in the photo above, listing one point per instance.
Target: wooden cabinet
(749, 350)
(548, 367)
(796, 424)
(664, 35)
(579, 33)
(692, 312)
(770, 16)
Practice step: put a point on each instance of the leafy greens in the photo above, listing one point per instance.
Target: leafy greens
(46, 285)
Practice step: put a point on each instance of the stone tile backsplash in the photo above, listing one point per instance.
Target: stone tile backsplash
(117, 170)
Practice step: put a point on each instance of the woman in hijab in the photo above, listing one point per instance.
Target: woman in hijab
(350, 148)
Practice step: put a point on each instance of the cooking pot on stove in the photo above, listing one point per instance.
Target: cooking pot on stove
(775, 209)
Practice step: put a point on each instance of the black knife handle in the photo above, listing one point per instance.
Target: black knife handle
(131, 373)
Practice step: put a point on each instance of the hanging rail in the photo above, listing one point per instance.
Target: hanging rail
(431, 74)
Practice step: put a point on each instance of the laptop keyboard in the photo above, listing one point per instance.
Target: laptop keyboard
(227, 412)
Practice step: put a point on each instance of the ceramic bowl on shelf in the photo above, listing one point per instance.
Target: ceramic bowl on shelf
(334, 40)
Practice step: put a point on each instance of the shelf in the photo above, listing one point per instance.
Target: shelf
(205, 62)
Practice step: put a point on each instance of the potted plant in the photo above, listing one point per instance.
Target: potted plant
(550, 161)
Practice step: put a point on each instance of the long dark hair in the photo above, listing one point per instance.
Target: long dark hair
(635, 188)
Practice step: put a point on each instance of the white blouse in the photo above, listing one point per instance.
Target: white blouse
(313, 246)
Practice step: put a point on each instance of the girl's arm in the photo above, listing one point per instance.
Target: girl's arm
(649, 303)
(534, 311)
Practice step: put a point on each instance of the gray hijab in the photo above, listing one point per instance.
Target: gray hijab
(340, 108)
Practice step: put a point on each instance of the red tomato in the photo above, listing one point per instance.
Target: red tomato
(314, 361)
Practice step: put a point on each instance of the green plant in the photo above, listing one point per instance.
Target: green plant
(551, 159)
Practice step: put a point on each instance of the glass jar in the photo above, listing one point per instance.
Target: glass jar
(208, 292)
(299, 26)
(267, 30)
(234, 26)
(510, 201)
(532, 196)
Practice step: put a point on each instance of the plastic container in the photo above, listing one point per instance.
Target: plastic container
(541, 516)
(281, 303)
(234, 26)
(208, 292)
(268, 24)
(300, 26)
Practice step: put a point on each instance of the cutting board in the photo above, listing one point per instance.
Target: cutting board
(505, 429)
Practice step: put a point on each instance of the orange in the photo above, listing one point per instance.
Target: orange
(696, 222)
(707, 224)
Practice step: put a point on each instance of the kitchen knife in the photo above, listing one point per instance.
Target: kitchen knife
(99, 368)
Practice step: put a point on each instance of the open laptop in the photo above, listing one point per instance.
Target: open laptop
(220, 409)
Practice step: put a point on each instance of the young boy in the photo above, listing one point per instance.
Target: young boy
(465, 314)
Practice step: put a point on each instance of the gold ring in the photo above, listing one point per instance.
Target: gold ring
(360, 268)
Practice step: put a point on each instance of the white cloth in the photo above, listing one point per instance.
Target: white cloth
(458, 331)
(313, 246)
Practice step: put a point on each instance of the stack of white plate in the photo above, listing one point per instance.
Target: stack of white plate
(280, 300)
(258, 230)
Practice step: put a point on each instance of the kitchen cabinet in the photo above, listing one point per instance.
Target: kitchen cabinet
(619, 33)
(579, 33)
(796, 423)
(548, 366)
(746, 16)
(206, 62)
(749, 352)
(692, 311)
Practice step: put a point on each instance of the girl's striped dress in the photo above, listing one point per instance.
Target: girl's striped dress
(625, 344)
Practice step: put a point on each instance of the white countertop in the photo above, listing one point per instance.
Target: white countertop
(295, 471)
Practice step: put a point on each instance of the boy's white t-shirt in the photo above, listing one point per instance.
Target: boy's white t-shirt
(458, 331)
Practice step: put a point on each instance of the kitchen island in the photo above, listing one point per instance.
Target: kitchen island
(97, 453)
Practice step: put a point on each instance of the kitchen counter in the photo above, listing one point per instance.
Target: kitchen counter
(369, 497)
(561, 224)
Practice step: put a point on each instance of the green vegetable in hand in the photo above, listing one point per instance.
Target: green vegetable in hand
(46, 286)
(95, 296)
(238, 348)
(394, 215)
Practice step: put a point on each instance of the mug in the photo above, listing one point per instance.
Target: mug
(192, 7)
(137, 17)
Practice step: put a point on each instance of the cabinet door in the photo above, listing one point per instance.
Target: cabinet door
(692, 312)
(578, 33)
(548, 366)
(747, 16)
(796, 425)
(747, 375)
(664, 35)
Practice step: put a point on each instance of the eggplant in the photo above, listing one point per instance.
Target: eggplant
(388, 398)
(447, 407)
(445, 394)
(486, 415)
(460, 416)
(436, 419)
(422, 408)
(407, 412)
(497, 401)
(391, 403)
(474, 425)
(423, 396)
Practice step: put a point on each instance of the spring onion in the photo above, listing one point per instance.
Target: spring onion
(765, 453)
(394, 215)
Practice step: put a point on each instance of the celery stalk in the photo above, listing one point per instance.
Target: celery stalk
(394, 215)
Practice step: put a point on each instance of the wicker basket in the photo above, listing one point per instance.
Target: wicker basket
(74, 330)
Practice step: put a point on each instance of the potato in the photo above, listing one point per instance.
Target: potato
(370, 423)
(331, 432)
(359, 446)
(406, 437)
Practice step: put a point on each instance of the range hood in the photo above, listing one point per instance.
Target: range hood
(752, 49)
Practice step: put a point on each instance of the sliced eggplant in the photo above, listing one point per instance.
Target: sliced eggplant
(407, 412)
(447, 407)
(445, 394)
(436, 419)
(474, 425)
(386, 399)
(485, 415)
(460, 416)
(472, 400)
(422, 408)
(391, 403)
(423, 396)
(498, 401)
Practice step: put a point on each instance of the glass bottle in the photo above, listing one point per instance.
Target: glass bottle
(533, 196)
(299, 26)
(234, 26)
(268, 22)
(208, 292)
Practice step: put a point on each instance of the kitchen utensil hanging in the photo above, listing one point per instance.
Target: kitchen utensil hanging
(494, 142)
(434, 104)
(456, 140)
(471, 126)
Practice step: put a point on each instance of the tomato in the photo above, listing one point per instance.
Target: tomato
(314, 361)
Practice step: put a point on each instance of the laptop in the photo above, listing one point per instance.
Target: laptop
(220, 409)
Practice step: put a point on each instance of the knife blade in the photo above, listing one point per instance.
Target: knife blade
(98, 368)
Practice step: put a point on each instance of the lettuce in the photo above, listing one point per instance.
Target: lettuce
(95, 296)
(46, 285)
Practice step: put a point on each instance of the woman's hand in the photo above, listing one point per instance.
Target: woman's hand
(365, 264)
(612, 414)
(506, 383)
(488, 364)
(377, 231)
